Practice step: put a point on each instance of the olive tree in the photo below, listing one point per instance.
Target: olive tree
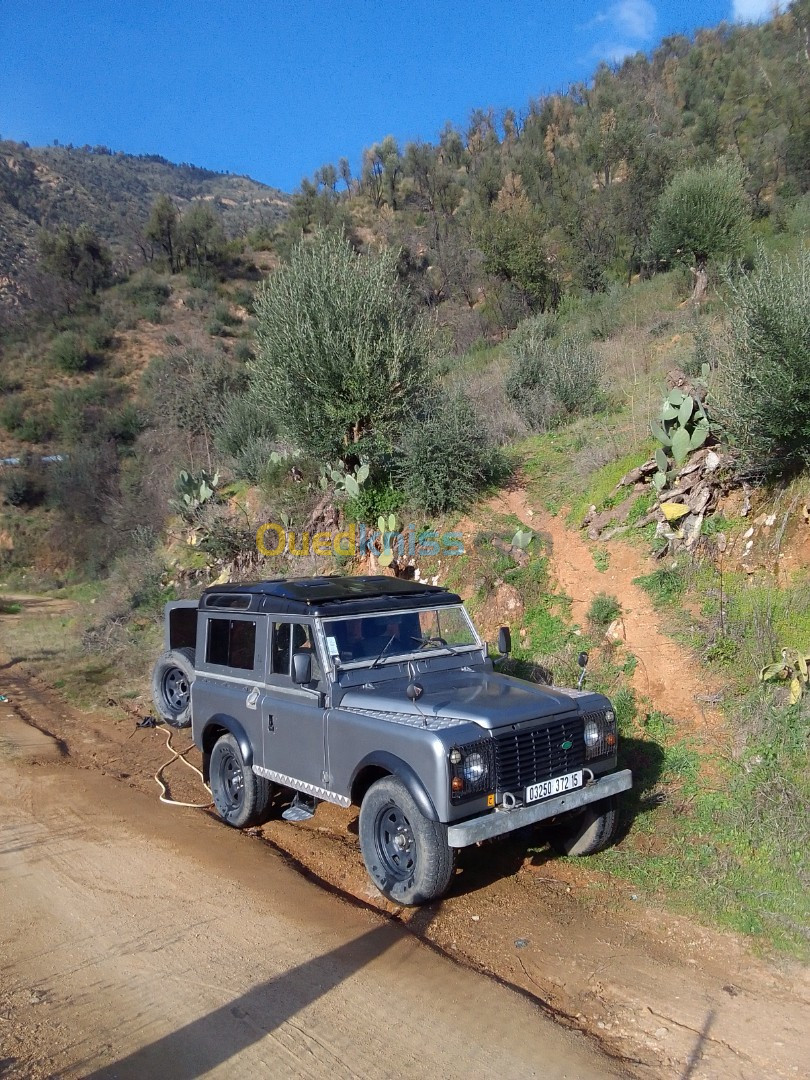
(703, 214)
(341, 354)
(761, 392)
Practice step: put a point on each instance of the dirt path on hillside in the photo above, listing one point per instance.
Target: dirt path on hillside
(666, 675)
(664, 996)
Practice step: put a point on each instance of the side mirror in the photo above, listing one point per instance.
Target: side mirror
(582, 660)
(504, 641)
(302, 667)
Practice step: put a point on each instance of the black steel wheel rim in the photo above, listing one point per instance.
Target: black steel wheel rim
(231, 780)
(395, 843)
(176, 689)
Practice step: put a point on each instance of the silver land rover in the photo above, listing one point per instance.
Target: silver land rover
(379, 693)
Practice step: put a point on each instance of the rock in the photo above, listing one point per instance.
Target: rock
(323, 518)
(608, 534)
(674, 511)
(691, 529)
(502, 607)
(615, 632)
(712, 460)
(631, 477)
(699, 500)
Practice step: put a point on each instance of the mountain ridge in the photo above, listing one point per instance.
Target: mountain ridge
(47, 187)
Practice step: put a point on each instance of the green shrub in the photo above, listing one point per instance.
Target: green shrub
(375, 500)
(762, 392)
(148, 293)
(550, 380)
(243, 352)
(664, 586)
(22, 487)
(69, 352)
(99, 335)
(124, 425)
(222, 320)
(445, 457)
(603, 610)
(246, 434)
(36, 428)
(12, 414)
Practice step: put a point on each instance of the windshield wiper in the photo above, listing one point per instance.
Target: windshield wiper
(384, 650)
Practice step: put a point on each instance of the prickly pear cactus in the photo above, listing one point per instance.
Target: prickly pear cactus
(683, 425)
(387, 526)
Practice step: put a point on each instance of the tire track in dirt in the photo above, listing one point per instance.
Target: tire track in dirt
(666, 675)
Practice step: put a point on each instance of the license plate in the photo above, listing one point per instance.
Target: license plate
(557, 786)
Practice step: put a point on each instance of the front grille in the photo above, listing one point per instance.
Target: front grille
(527, 757)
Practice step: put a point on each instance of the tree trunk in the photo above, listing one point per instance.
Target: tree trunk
(701, 282)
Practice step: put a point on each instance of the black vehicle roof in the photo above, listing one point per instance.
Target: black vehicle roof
(331, 595)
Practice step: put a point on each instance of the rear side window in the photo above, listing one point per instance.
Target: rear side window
(231, 643)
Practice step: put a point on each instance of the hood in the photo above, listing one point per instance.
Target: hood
(482, 697)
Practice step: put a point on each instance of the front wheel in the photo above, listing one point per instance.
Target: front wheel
(588, 832)
(406, 855)
(240, 796)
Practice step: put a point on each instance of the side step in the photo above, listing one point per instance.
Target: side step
(302, 808)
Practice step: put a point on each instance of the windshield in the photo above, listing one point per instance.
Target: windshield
(363, 639)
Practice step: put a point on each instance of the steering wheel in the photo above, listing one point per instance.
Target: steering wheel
(423, 641)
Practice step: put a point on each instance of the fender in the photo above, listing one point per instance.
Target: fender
(403, 771)
(229, 723)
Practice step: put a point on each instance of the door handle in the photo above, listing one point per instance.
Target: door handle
(270, 725)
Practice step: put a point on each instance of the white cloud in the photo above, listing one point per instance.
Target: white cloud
(754, 10)
(614, 53)
(631, 18)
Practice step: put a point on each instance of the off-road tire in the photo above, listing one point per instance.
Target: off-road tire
(591, 831)
(172, 677)
(419, 871)
(240, 796)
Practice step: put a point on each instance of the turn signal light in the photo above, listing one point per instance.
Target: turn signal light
(456, 784)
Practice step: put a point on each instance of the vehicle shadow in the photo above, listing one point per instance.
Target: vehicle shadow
(221, 1034)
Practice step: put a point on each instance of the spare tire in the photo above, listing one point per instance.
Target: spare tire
(172, 677)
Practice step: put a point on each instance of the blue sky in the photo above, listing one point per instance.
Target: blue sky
(275, 88)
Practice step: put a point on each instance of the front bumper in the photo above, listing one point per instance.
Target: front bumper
(500, 821)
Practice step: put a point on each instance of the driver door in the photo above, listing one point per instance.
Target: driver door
(293, 717)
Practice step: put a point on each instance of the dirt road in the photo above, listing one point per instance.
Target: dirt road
(138, 943)
(666, 997)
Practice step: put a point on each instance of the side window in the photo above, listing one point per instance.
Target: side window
(281, 648)
(289, 638)
(231, 643)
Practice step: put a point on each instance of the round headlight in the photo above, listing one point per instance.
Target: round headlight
(455, 756)
(474, 768)
(591, 733)
(610, 716)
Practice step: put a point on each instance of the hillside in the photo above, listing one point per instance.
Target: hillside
(45, 187)
(576, 335)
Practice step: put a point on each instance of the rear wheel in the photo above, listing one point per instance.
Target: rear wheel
(406, 855)
(240, 796)
(172, 677)
(588, 832)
